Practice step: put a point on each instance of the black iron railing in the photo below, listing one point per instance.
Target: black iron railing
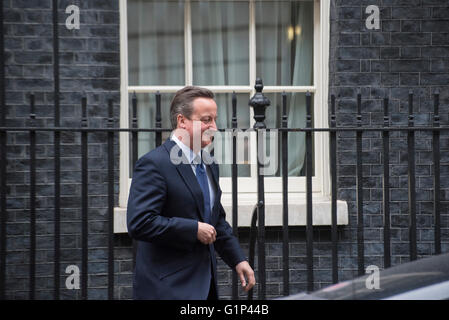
(358, 130)
(257, 234)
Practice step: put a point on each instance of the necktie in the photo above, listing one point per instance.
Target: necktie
(201, 176)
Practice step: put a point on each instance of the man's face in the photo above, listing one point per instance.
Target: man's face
(202, 123)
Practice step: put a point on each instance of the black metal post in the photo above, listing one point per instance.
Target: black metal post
(259, 102)
(32, 134)
(110, 201)
(252, 244)
(386, 186)
(2, 72)
(285, 236)
(134, 132)
(359, 170)
(309, 168)
(3, 159)
(436, 173)
(134, 156)
(261, 217)
(84, 200)
(158, 119)
(234, 174)
(3, 212)
(411, 179)
(57, 150)
(333, 167)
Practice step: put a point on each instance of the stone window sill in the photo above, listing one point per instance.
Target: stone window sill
(297, 211)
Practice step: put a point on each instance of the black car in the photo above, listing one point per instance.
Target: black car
(424, 279)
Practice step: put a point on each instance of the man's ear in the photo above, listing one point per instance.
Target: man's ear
(180, 121)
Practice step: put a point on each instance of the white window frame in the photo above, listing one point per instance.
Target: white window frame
(247, 186)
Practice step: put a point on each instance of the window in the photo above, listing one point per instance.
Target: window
(224, 46)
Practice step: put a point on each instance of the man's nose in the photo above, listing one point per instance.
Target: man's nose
(213, 125)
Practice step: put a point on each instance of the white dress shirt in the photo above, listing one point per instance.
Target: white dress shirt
(190, 155)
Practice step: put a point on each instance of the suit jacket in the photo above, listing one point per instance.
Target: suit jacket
(164, 206)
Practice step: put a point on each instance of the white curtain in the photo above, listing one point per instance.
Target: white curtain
(220, 48)
(285, 57)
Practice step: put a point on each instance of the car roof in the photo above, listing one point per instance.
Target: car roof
(392, 281)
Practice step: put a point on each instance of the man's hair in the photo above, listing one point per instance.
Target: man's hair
(182, 102)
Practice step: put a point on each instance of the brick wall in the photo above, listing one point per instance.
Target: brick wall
(410, 51)
(89, 63)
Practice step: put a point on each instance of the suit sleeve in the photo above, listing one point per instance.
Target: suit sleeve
(144, 214)
(226, 243)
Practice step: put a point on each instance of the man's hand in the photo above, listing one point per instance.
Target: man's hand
(243, 270)
(206, 233)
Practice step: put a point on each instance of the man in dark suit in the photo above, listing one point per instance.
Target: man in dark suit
(175, 212)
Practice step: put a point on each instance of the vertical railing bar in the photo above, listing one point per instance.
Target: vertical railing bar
(333, 167)
(259, 102)
(436, 172)
(84, 200)
(261, 216)
(285, 235)
(411, 179)
(110, 201)
(252, 244)
(57, 151)
(3, 157)
(2, 161)
(32, 135)
(2, 74)
(386, 186)
(158, 119)
(3, 213)
(309, 221)
(134, 137)
(359, 170)
(134, 126)
(234, 174)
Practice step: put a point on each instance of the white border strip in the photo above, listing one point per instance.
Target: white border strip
(124, 116)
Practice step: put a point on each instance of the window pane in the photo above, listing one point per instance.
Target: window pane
(284, 41)
(223, 142)
(296, 113)
(220, 43)
(156, 42)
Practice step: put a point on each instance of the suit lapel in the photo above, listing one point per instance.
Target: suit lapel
(189, 178)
